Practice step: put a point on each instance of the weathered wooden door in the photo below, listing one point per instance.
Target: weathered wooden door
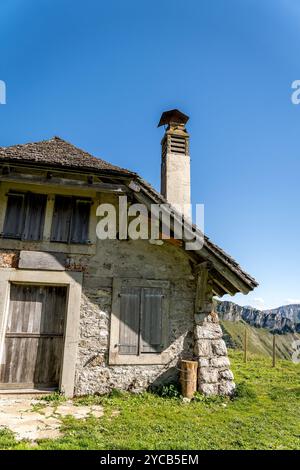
(33, 348)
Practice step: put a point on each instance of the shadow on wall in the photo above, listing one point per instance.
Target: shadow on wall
(172, 374)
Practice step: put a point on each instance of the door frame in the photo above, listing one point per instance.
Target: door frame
(73, 282)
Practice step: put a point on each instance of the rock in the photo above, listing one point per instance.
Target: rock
(219, 347)
(208, 375)
(226, 388)
(203, 361)
(209, 389)
(208, 331)
(225, 374)
(186, 400)
(202, 348)
(97, 361)
(220, 362)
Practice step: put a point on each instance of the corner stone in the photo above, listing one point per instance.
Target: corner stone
(208, 375)
(209, 389)
(203, 348)
(219, 347)
(225, 374)
(208, 331)
(226, 388)
(220, 362)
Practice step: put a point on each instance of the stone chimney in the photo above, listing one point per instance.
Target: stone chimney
(175, 161)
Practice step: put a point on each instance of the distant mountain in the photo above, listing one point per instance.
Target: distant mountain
(281, 320)
(259, 340)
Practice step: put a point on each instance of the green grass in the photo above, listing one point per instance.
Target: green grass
(264, 415)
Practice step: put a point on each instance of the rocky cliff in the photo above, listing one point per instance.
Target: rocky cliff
(285, 319)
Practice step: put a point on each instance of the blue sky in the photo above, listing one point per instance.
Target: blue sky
(99, 74)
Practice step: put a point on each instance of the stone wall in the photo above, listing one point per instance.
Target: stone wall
(190, 335)
(9, 258)
(215, 376)
(137, 259)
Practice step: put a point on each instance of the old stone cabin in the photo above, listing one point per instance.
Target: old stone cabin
(84, 315)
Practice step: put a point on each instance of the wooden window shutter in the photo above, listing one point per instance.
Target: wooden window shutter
(34, 217)
(80, 221)
(62, 218)
(151, 320)
(14, 218)
(129, 320)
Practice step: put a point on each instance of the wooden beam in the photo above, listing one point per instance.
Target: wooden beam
(223, 283)
(63, 182)
(203, 287)
(134, 186)
(204, 265)
(217, 290)
(201, 290)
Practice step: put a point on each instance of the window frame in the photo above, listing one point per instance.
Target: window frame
(146, 358)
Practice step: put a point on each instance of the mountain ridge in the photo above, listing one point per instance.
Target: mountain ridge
(281, 320)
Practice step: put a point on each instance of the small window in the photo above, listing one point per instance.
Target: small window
(139, 323)
(71, 220)
(25, 216)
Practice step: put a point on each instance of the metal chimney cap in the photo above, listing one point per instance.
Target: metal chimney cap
(174, 115)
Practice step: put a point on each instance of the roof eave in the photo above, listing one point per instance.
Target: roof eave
(71, 169)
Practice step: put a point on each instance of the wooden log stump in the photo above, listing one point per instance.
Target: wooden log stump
(188, 378)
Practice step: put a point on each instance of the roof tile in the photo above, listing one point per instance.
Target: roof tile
(59, 153)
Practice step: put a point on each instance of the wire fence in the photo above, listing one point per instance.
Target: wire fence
(275, 346)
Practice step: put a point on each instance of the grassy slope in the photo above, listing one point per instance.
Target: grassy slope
(266, 415)
(259, 339)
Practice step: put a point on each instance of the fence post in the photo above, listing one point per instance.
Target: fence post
(274, 351)
(245, 345)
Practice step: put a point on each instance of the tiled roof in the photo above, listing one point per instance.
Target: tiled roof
(59, 153)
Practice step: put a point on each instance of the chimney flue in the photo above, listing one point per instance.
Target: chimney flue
(175, 161)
